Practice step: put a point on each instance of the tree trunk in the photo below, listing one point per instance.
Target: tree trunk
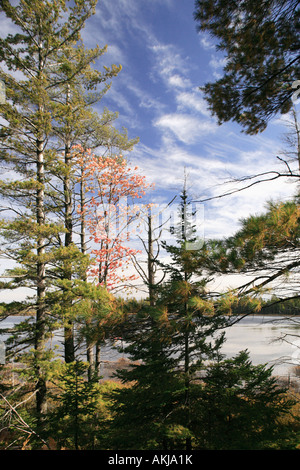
(98, 360)
(89, 343)
(69, 327)
(151, 274)
(40, 327)
(90, 359)
(41, 287)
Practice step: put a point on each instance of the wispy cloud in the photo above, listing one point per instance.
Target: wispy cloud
(169, 65)
(187, 129)
(193, 101)
(191, 120)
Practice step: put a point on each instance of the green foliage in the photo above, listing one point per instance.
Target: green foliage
(49, 107)
(74, 422)
(169, 344)
(265, 248)
(143, 410)
(233, 405)
(240, 406)
(260, 41)
(279, 306)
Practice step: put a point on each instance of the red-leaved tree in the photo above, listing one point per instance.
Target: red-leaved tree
(109, 213)
(111, 188)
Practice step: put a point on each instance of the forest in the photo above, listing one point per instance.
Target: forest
(78, 233)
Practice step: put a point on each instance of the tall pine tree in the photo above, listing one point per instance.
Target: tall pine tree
(42, 31)
(171, 343)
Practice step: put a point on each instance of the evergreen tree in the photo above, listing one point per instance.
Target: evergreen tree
(142, 409)
(75, 93)
(240, 407)
(260, 40)
(172, 340)
(29, 112)
(73, 424)
(191, 308)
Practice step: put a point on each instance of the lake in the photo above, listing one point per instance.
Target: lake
(272, 340)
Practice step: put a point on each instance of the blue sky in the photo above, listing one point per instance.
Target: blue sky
(164, 62)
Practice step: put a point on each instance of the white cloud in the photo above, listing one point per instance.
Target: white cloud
(178, 81)
(194, 101)
(188, 129)
(169, 64)
(211, 173)
(146, 100)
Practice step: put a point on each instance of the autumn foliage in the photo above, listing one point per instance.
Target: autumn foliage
(110, 212)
